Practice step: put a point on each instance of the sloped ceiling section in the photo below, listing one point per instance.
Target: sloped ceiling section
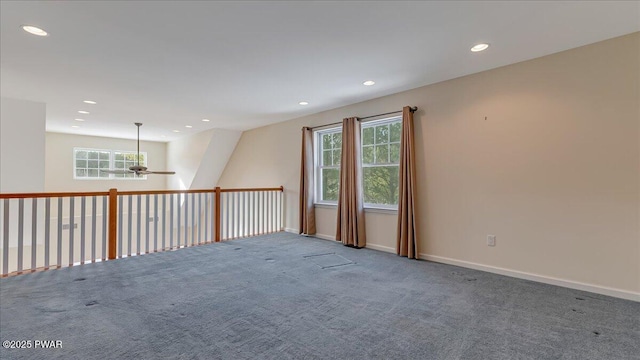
(199, 160)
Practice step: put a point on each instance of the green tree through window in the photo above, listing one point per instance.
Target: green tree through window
(380, 161)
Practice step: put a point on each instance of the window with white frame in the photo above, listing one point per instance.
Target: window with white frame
(328, 153)
(380, 163)
(88, 163)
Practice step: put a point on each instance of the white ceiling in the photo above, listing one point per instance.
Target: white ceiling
(246, 64)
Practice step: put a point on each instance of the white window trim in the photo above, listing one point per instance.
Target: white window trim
(111, 164)
(382, 208)
(316, 164)
(374, 123)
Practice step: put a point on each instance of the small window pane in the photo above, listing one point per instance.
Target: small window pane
(92, 164)
(326, 141)
(119, 164)
(380, 185)
(367, 153)
(81, 173)
(337, 140)
(382, 134)
(395, 153)
(336, 157)
(81, 154)
(326, 158)
(330, 184)
(119, 156)
(104, 174)
(104, 164)
(367, 136)
(93, 173)
(94, 155)
(104, 155)
(81, 163)
(396, 129)
(382, 154)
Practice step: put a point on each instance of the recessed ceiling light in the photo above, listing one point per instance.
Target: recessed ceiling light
(83, 112)
(368, 83)
(34, 30)
(78, 119)
(90, 102)
(75, 126)
(188, 126)
(303, 103)
(206, 120)
(479, 47)
(175, 130)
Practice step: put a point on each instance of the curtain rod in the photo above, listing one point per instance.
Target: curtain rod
(413, 109)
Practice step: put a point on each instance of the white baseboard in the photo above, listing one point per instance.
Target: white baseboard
(623, 294)
(381, 248)
(325, 237)
(290, 230)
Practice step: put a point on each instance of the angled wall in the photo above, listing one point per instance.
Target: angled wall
(200, 159)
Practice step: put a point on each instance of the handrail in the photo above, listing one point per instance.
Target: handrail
(281, 188)
(137, 192)
(50, 195)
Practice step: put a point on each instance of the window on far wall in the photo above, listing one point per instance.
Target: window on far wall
(87, 163)
(380, 163)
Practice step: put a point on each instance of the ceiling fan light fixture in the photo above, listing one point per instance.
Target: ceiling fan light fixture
(137, 168)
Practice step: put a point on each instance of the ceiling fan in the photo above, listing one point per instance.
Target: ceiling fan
(137, 169)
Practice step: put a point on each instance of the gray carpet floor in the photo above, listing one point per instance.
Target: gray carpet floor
(284, 296)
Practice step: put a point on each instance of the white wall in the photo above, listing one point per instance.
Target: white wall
(544, 154)
(59, 163)
(22, 133)
(199, 160)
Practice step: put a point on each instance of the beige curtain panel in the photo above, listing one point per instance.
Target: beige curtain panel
(350, 225)
(407, 239)
(307, 211)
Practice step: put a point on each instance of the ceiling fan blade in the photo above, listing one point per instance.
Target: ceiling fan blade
(161, 172)
(117, 172)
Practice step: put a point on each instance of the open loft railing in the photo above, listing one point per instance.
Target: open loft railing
(42, 231)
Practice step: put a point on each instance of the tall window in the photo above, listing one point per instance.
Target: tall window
(380, 163)
(87, 163)
(328, 153)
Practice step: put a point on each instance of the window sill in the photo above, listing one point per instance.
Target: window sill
(325, 205)
(380, 210)
(367, 209)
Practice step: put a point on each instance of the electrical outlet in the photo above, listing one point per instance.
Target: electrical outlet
(67, 226)
(491, 240)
